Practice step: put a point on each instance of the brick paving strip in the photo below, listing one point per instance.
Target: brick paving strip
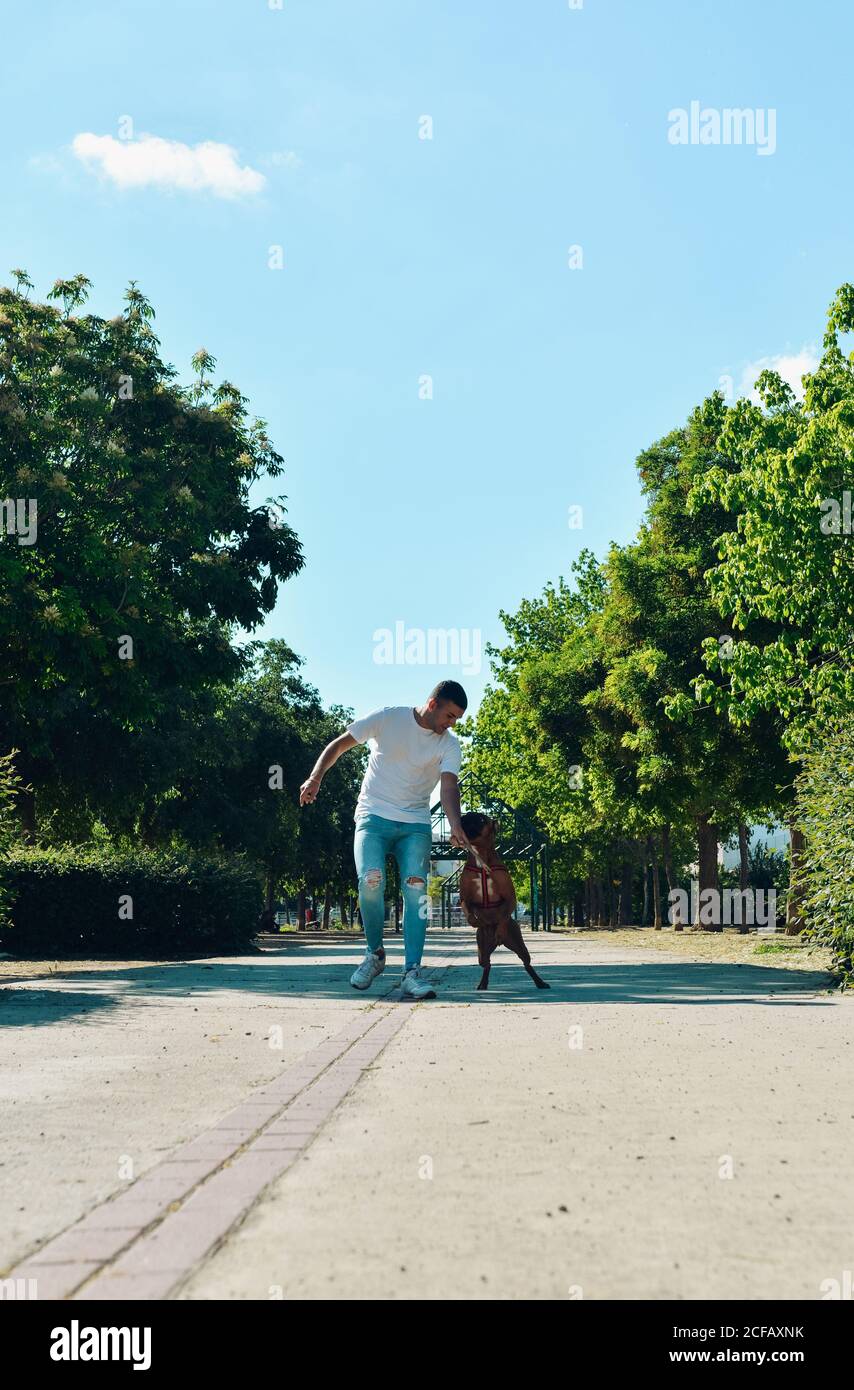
(141, 1243)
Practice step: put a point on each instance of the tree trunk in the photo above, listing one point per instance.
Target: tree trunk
(743, 856)
(707, 849)
(645, 908)
(656, 884)
(794, 910)
(602, 903)
(743, 873)
(667, 855)
(626, 882)
(270, 889)
(343, 905)
(327, 903)
(612, 898)
(577, 910)
(301, 910)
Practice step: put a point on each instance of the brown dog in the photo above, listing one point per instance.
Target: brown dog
(488, 899)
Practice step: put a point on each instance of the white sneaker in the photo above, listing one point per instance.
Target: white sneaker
(367, 972)
(415, 985)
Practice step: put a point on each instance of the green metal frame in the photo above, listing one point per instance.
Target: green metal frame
(517, 839)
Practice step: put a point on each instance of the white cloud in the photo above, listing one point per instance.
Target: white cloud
(790, 366)
(152, 161)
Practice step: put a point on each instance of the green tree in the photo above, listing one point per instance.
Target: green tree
(826, 816)
(148, 549)
(785, 469)
(786, 475)
(691, 763)
(235, 773)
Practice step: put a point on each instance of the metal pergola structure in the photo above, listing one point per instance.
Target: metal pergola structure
(517, 839)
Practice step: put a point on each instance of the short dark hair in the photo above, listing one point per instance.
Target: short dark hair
(450, 690)
(473, 822)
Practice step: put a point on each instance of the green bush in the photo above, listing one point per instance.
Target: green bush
(825, 804)
(73, 901)
(9, 784)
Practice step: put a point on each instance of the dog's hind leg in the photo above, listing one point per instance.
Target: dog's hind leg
(538, 980)
(485, 947)
(514, 941)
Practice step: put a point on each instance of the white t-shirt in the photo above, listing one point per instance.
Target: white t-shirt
(404, 765)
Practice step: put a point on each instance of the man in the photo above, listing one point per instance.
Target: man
(411, 749)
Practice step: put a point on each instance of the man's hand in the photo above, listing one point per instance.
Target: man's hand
(328, 758)
(459, 839)
(309, 789)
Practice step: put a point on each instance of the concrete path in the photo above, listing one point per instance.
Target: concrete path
(650, 1127)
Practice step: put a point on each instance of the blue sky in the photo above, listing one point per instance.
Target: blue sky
(406, 257)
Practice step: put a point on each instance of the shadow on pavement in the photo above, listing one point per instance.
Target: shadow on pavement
(320, 969)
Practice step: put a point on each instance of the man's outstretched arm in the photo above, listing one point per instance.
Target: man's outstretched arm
(450, 793)
(330, 755)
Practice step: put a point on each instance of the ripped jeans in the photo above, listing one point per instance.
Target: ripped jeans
(410, 844)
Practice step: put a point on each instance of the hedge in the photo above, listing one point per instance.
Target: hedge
(9, 785)
(71, 902)
(825, 813)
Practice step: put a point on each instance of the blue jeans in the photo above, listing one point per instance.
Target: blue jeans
(410, 844)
